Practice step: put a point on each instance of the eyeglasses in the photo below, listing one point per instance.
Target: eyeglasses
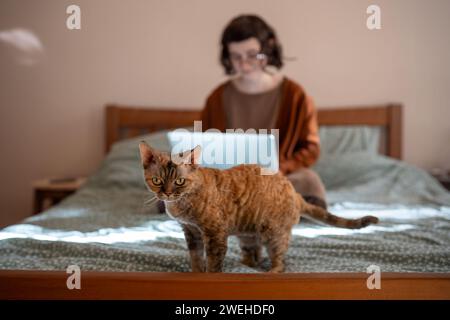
(252, 58)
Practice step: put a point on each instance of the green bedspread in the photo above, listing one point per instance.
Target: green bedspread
(106, 225)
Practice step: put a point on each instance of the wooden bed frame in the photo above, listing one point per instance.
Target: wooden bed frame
(125, 122)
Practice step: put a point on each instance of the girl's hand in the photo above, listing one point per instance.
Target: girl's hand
(288, 166)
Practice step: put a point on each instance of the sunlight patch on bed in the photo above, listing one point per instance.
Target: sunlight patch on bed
(106, 235)
(396, 212)
(312, 232)
(165, 229)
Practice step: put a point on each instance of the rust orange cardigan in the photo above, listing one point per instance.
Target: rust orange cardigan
(296, 121)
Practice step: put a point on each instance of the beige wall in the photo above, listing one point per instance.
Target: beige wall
(164, 53)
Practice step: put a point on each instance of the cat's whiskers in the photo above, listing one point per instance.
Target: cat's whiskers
(151, 197)
(149, 204)
(150, 200)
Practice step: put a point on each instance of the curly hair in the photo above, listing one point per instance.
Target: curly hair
(244, 27)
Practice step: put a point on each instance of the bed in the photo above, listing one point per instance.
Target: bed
(127, 250)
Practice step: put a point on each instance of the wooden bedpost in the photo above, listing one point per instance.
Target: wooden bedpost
(395, 131)
(112, 126)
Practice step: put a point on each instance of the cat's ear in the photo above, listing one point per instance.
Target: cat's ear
(147, 154)
(195, 154)
(190, 157)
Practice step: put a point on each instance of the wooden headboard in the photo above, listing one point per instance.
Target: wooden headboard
(127, 122)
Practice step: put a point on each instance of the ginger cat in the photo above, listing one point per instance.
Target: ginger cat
(212, 204)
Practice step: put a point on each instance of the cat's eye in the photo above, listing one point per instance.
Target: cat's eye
(156, 181)
(179, 181)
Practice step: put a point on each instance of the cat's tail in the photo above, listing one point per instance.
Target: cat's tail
(318, 213)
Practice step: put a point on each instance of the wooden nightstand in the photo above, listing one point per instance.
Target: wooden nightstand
(48, 192)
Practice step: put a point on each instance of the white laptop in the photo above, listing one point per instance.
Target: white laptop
(226, 150)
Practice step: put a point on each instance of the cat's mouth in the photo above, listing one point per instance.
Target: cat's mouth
(169, 198)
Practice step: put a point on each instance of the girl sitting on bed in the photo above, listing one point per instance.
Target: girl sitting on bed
(261, 98)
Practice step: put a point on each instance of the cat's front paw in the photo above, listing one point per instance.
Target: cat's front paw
(214, 269)
(198, 268)
(277, 269)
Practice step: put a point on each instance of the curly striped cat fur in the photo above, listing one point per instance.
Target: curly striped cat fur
(212, 204)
